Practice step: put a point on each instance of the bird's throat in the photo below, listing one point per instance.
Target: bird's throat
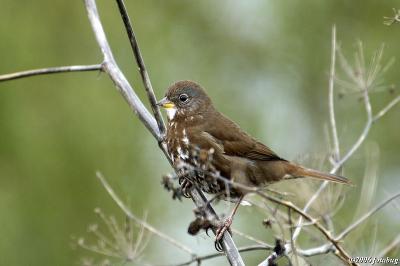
(171, 113)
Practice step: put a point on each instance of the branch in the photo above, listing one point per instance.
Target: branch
(305, 253)
(249, 237)
(111, 68)
(131, 216)
(342, 254)
(141, 66)
(229, 246)
(197, 196)
(324, 249)
(363, 83)
(386, 109)
(365, 217)
(328, 247)
(388, 21)
(334, 134)
(155, 126)
(49, 70)
(199, 259)
(389, 247)
(336, 149)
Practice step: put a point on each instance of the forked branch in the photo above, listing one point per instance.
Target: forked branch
(137, 106)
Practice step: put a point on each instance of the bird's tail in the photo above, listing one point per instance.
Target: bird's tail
(299, 171)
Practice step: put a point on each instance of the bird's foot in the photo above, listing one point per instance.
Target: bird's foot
(219, 234)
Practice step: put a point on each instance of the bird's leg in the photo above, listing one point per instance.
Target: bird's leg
(226, 224)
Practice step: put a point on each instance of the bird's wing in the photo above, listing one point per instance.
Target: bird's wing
(236, 142)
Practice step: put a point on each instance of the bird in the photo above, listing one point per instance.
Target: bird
(216, 155)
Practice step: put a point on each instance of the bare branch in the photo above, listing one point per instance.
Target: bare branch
(362, 136)
(197, 196)
(157, 128)
(328, 247)
(112, 69)
(49, 70)
(199, 259)
(249, 237)
(342, 254)
(294, 248)
(386, 109)
(129, 214)
(142, 68)
(394, 243)
(336, 148)
(122, 245)
(388, 21)
(364, 82)
(324, 249)
(305, 253)
(230, 248)
(365, 217)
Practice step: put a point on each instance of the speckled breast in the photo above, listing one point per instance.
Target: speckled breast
(187, 157)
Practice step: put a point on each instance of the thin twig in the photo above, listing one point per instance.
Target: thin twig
(388, 21)
(324, 249)
(365, 217)
(50, 70)
(336, 148)
(335, 137)
(360, 80)
(156, 127)
(229, 245)
(197, 195)
(328, 247)
(249, 237)
(394, 243)
(294, 249)
(129, 214)
(142, 68)
(342, 254)
(199, 259)
(384, 110)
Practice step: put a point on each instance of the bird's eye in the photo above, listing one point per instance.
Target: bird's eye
(183, 98)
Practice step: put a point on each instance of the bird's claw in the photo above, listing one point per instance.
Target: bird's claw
(218, 245)
(186, 186)
(220, 233)
(207, 231)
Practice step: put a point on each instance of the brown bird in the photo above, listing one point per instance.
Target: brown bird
(212, 149)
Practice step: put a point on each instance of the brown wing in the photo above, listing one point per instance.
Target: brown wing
(236, 142)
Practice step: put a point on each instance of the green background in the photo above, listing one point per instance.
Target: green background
(264, 63)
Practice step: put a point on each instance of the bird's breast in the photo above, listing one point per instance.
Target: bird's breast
(178, 142)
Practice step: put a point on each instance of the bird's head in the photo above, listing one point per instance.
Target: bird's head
(184, 99)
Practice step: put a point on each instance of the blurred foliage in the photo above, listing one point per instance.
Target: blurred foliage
(264, 63)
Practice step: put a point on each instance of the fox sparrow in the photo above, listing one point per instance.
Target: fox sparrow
(214, 148)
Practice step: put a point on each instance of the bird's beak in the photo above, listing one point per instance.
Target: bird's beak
(165, 103)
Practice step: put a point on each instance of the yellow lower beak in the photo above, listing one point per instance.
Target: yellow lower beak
(168, 105)
(165, 103)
